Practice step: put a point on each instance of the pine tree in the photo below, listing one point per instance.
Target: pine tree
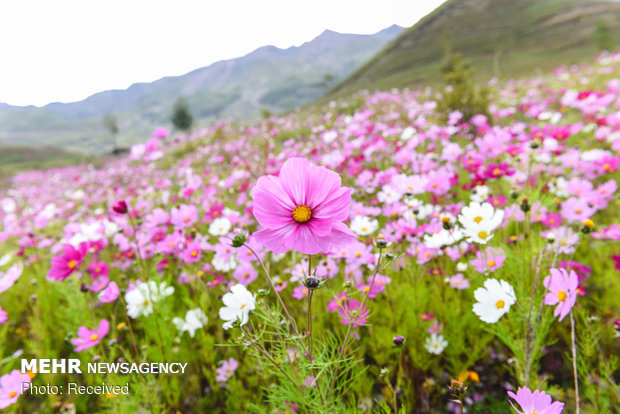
(461, 93)
(181, 117)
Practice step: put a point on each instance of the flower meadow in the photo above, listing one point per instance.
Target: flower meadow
(366, 256)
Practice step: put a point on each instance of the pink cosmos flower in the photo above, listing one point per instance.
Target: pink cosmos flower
(226, 370)
(65, 264)
(334, 304)
(88, 338)
(577, 209)
(191, 254)
(183, 216)
(563, 291)
(300, 292)
(537, 402)
(490, 260)
(3, 316)
(110, 293)
(302, 209)
(161, 132)
(427, 316)
(11, 387)
(97, 269)
(459, 282)
(352, 313)
(245, 273)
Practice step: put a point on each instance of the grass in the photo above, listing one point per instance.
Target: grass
(499, 38)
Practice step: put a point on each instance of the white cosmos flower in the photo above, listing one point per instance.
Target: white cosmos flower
(6, 259)
(388, 195)
(220, 226)
(407, 133)
(494, 300)
(194, 319)
(363, 226)
(140, 300)
(7, 279)
(479, 221)
(480, 193)
(222, 264)
(239, 302)
(443, 238)
(435, 344)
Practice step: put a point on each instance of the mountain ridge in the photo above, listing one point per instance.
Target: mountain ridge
(280, 79)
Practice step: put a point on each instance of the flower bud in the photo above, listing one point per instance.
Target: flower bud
(513, 194)
(399, 340)
(312, 282)
(120, 207)
(239, 240)
(525, 205)
(381, 243)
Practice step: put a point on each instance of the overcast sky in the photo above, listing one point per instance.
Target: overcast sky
(63, 50)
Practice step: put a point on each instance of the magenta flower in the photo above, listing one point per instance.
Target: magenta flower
(87, 338)
(65, 264)
(97, 269)
(191, 254)
(3, 316)
(563, 291)
(161, 132)
(11, 387)
(302, 209)
(353, 313)
(537, 402)
(226, 369)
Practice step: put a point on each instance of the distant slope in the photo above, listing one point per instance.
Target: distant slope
(18, 158)
(503, 38)
(268, 78)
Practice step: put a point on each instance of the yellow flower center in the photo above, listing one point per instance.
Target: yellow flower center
(94, 337)
(445, 219)
(578, 211)
(72, 264)
(186, 219)
(364, 229)
(561, 296)
(496, 171)
(478, 219)
(500, 304)
(243, 306)
(302, 214)
(483, 235)
(12, 394)
(194, 253)
(491, 263)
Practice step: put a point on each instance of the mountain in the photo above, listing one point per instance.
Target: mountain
(504, 38)
(269, 78)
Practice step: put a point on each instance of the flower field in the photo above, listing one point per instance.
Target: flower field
(371, 255)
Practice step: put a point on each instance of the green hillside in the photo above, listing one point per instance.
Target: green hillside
(18, 158)
(504, 38)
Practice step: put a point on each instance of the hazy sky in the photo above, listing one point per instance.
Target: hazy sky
(63, 50)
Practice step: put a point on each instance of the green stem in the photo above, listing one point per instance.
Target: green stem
(273, 361)
(574, 352)
(273, 287)
(346, 335)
